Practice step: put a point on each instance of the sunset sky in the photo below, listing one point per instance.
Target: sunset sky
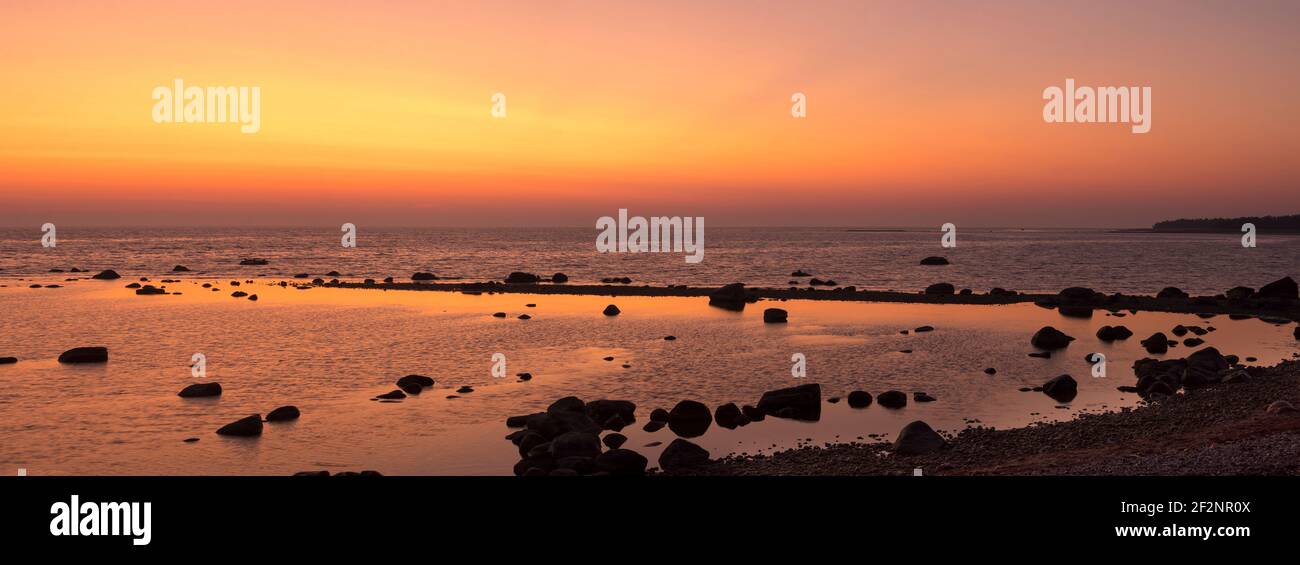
(919, 113)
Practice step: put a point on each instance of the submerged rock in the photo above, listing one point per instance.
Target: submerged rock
(392, 395)
(283, 414)
(85, 355)
(200, 390)
(245, 427)
(918, 438)
(1062, 388)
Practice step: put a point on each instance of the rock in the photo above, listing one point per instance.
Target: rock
(922, 397)
(1050, 338)
(819, 282)
(803, 402)
(942, 288)
(106, 275)
(149, 289)
(85, 355)
(800, 273)
(414, 382)
(990, 371)
(519, 421)
(614, 441)
(499, 315)
(1074, 311)
(729, 416)
(200, 390)
(924, 329)
(774, 316)
(466, 389)
(1280, 407)
(682, 455)
(421, 276)
(1171, 292)
(621, 462)
(254, 262)
(239, 294)
(1296, 333)
(1204, 367)
(612, 310)
(534, 466)
(559, 278)
(252, 297)
(653, 426)
(753, 413)
(244, 427)
(934, 261)
(567, 404)
(1042, 355)
(283, 414)
(859, 399)
(659, 415)
(312, 474)
(1284, 288)
(1240, 293)
(525, 376)
(1062, 388)
(689, 419)
(892, 399)
(729, 297)
(519, 277)
(180, 269)
(1079, 294)
(393, 395)
(8, 360)
(1156, 344)
(525, 317)
(605, 410)
(918, 438)
(575, 444)
(1109, 333)
(1193, 341)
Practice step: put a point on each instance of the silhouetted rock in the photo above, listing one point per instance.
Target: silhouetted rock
(621, 462)
(934, 260)
(682, 455)
(416, 381)
(1171, 292)
(859, 399)
(239, 294)
(918, 438)
(1075, 311)
(106, 275)
(1240, 293)
(199, 390)
(892, 399)
(614, 441)
(774, 316)
(1062, 388)
(392, 395)
(575, 444)
(612, 310)
(659, 415)
(730, 297)
(803, 402)
(922, 397)
(616, 280)
(1109, 333)
(689, 419)
(254, 262)
(729, 416)
(85, 355)
(753, 413)
(249, 426)
(1079, 295)
(1050, 338)
(180, 269)
(923, 329)
(8, 360)
(519, 277)
(605, 410)
(283, 414)
(149, 289)
(1156, 344)
(1204, 367)
(559, 278)
(943, 288)
(1282, 288)
(653, 426)
(421, 276)
(800, 273)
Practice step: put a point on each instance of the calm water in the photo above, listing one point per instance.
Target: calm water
(1021, 260)
(329, 351)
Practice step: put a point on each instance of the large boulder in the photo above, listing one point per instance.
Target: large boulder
(199, 390)
(416, 381)
(682, 455)
(604, 410)
(803, 402)
(1157, 344)
(1080, 295)
(1062, 388)
(892, 399)
(729, 416)
(689, 419)
(1282, 288)
(918, 438)
(1204, 367)
(85, 355)
(1171, 292)
(244, 427)
(860, 399)
(621, 462)
(1112, 333)
(729, 297)
(774, 316)
(1240, 293)
(1050, 338)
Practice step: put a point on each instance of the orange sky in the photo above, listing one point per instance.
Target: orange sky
(919, 113)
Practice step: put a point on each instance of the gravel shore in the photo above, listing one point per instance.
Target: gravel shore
(1222, 429)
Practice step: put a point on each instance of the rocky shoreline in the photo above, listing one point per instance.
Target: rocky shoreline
(1244, 427)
